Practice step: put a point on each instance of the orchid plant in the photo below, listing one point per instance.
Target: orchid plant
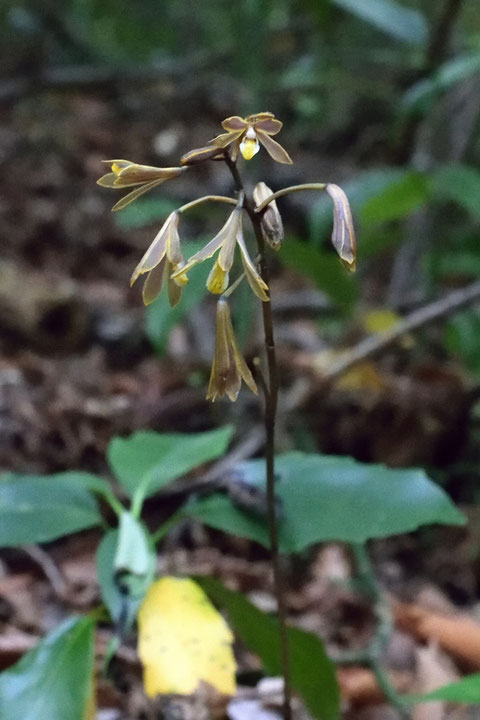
(163, 262)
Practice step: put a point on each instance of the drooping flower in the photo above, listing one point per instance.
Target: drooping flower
(271, 220)
(245, 134)
(225, 242)
(162, 259)
(228, 366)
(343, 235)
(129, 174)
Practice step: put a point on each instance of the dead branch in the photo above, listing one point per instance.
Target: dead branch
(372, 345)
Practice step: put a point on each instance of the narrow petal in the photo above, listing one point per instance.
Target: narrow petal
(173, 250)
(130, 197)
(343, 235)
(209, 152)
(271, 126)
(117, 164)
(234, 149)
(110, 180)
(226, 255)
(240, 364)
(153, 283)
(258, 117)
(224, 378)
(274, 149)
(134, 173)
(211, 247)
(234, 123)
(107, 180)
(223, 140)
(243, 369)
(174, 291)
(258, 285)
(157, 250)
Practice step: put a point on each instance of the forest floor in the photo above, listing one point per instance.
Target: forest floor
(77, 368)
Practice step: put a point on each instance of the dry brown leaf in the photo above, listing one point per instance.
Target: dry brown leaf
(458, 634)
(358, 685)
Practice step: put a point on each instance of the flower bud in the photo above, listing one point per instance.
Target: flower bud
(271, 222)
(343, 235)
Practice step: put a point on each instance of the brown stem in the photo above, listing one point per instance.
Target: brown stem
(271, 395)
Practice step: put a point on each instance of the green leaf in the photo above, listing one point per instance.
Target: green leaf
(54, 680)
(421, 95)
(459, 184)
(312, 673)
(397, 200)
(396, 20)
(466, 690)
(123, 594)
(461, 338)
(37, 509)
(328, 498)
(160, 318)
(153, 460)
(323, 268)
(133, 553)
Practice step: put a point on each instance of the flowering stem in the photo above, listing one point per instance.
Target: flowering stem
(287, 190)
(206, 198)
(271, 394)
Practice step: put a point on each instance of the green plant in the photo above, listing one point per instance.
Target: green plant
(320, 498)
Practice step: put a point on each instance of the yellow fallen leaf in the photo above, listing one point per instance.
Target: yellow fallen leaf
(380, 321)
(363, 376)
(182, 640)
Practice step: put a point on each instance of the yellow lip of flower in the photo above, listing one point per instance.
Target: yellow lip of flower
(225, 241)
(125, 173)
(228, 366)
(244, 134)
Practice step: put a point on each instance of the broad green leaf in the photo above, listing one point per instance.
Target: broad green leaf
(123, 593)
(466, 690)
(459, 184)
(333, 499)
(153, 460)
(183, 640)
(37, 509)
(461, 338)
(422, 93)
(54, 680)
(160, 318)
(323, 268)
(393, 18)
(397, 200)
(133, 553)
(312, 673)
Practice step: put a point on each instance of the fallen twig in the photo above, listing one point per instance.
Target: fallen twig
(374, 344)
